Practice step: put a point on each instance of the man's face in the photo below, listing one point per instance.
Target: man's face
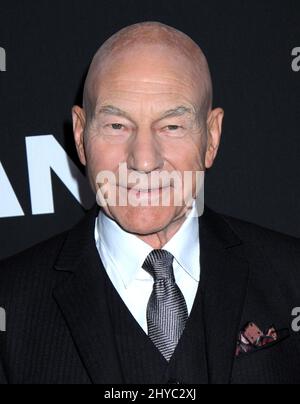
(146, 117)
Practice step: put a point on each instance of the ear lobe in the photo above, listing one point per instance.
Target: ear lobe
(79, 123)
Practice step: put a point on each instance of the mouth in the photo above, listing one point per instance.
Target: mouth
(150, 192)
(146, 193)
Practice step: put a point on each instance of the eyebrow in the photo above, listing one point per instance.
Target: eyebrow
(111, 110)
(175, 112)
(178, 111)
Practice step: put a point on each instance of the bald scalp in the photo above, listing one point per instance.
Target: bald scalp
(149, 34)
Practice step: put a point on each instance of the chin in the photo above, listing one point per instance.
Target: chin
(144, 221)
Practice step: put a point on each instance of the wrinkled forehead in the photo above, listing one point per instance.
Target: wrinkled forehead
(152, 69)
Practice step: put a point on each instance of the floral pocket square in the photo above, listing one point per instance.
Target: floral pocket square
(251, 338)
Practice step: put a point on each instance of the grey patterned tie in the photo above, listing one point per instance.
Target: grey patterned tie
(167, 311)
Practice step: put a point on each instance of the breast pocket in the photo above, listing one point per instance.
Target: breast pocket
(277, 364)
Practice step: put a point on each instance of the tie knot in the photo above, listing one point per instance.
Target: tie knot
(159, 264)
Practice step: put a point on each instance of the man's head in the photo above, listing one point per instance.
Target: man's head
(148, 104)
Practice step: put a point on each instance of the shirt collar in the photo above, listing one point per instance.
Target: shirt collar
(185, 245)
(125, 250)
(128, 252)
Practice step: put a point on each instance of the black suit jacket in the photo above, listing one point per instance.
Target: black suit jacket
(58, 330)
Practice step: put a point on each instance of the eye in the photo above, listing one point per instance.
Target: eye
(174, 131)
(173, 128)
(117, 126)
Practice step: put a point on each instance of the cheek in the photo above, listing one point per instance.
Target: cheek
(186, 156)
(103, 157)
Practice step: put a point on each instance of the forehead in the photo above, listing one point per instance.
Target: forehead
(151, 105)
(176, 112)
(146, 76)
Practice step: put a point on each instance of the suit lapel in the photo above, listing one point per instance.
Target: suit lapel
(225, 274)
(81, 296)
(82, 300)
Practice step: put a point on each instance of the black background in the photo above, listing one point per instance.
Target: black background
(49, 45)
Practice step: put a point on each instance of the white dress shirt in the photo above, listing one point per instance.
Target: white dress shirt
(123, 255)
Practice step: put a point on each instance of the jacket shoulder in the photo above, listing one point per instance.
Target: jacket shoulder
(37, 258)
(260, 236)
(35, 265)
(277, 253)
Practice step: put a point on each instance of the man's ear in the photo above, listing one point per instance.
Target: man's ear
(214, 132)
(79, 122)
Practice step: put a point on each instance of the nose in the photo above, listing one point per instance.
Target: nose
(145, 154)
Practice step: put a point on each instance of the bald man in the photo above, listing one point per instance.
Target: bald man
(151, 287)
